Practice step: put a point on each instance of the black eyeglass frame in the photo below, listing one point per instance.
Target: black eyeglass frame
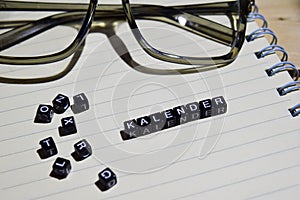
(26, 29)
(240, 20)
(27, 6)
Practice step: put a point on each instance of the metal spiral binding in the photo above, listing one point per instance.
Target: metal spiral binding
(284, 65)
(260, 33)
(289, 87)
(271, 49)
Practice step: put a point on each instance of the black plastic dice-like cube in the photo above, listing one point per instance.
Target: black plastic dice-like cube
(131, 130)
(61, 168)
(181, 114)
(158, 121)
(60, 103)
(205, 108)
(48, 148)
(107, 179)
(83, 150)
(219, 106)
(144, 125)
(136, 128)
(170, 118)
(68, 126)
(130, 125)
(193, 111)
(81, 103)
(44, 114)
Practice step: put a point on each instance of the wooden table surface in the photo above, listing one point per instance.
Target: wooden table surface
(284, 19)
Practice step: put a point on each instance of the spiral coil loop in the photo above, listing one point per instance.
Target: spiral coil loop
(283, 66)
(260, 33)
(289, 87)
(271, 49)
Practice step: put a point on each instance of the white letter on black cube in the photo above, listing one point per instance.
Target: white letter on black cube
(48, 148)
(61, 168)
(60, 103)
(81, 103)
(181, 114)
(169, 118)
(107, 179)
(68, 126)
(219, 106)
(158, 121)
(205, 108)
(82, 150)
(193, 111)
(44, 114)
(131, 130)
(144, 125)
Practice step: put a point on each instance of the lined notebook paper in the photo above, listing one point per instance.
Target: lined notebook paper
(251, 152)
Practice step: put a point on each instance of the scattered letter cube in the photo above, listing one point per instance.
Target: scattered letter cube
(68, 126)
(48, 148)
(83, 149)
(44, 114)
(61, 168)
(107, 179)
(60, 103)
(81, 103)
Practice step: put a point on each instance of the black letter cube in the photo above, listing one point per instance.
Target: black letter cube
(81, 103)
(169, 118)
(82, 150)
(44, 114)
(68, 126)
(205, 108)
(61, 168)
(158, 121)
(48, 148)
(181, 114)
(107, 179)
(144, 125)
(60, 103)
(193, 111)
(131, 130)
(219, 106)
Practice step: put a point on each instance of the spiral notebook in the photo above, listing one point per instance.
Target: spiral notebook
(250, 152)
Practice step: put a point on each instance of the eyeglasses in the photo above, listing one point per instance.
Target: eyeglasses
(165, 32)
